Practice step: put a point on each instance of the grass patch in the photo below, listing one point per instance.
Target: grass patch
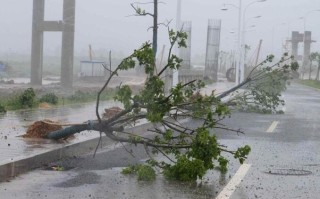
(311, 83)
(2, 109)
(29, 99)
(82, 97)
(144, 172)
(23, 100)
(50, 98)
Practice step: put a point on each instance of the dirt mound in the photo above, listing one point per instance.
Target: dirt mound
(44, 105)
(110, 112)
(39, 129)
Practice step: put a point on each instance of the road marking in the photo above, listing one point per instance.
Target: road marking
(273, 126)
(234, 182)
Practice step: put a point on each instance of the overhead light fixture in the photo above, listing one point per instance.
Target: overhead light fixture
(224, 8)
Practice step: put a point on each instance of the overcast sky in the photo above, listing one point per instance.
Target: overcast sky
(106, 26)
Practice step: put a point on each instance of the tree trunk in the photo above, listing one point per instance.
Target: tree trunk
(155, 28)
(318, 71)
(310, 66)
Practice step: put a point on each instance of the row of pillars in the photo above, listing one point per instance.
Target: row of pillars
(212, 49)
(66, 26)
(306, 39)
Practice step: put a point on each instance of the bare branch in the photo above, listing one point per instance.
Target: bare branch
(99, 143)
(105, 67)
(172, 42)
(164, 154)
(100, 92)
(165, 146)
(130, 152)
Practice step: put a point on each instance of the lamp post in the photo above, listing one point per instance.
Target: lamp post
(225, 8)
(241, 18)
(243, 45)
(175, 73)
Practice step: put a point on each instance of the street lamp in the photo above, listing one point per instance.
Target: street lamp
(243, 44)
(225, 8)
(175, 73)
(244, 31)
(239, 66)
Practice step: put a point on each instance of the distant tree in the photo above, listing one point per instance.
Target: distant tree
(315, 56)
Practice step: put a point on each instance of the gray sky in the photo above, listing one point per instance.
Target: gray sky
(106, 26)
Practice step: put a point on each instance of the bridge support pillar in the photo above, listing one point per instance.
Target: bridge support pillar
(66, 26)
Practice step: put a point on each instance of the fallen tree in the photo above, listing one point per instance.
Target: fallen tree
(201, 149)
(190, 151)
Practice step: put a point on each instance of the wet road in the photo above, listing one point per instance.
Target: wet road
(289, 141)
(14, 123)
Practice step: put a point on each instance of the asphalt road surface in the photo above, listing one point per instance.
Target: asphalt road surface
(284, 163)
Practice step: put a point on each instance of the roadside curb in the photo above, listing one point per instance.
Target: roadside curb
(22, 165)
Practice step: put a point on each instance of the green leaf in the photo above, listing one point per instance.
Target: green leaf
(124, 95)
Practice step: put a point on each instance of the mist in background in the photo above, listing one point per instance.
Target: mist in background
(109, 25)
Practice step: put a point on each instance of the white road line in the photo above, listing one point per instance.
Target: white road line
(234, 182)
(273, 126)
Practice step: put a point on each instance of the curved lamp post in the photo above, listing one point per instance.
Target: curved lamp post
(241, 18)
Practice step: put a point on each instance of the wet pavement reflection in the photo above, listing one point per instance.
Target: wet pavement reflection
(13, 124)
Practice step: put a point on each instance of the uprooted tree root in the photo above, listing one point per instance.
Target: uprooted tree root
(40, 129)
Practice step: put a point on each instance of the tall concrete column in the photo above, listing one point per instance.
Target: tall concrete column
(185, 52)
(67, 51)
(296, 38)
(37, 42)
(67, 28)
(295, 46)
(212, 50)
(307, 48)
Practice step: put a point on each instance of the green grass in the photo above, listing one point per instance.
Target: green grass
(144, 172)
(83, 97)
(2, 109)
(311, 83)
(13, 102)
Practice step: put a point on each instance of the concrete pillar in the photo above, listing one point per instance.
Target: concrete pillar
(295, 46)
(185, 53)
(307, 48)
(212, 50)
(67, 28)
(295, 40)
(37, 42)
(67, 51)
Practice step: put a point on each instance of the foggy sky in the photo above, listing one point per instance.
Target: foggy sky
(106, 24)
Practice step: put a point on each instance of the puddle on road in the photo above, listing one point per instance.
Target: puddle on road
(119, 184)
(13, 124)
(110, 183)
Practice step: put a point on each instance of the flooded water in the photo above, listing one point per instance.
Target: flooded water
(24, 80)
(13, 124)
